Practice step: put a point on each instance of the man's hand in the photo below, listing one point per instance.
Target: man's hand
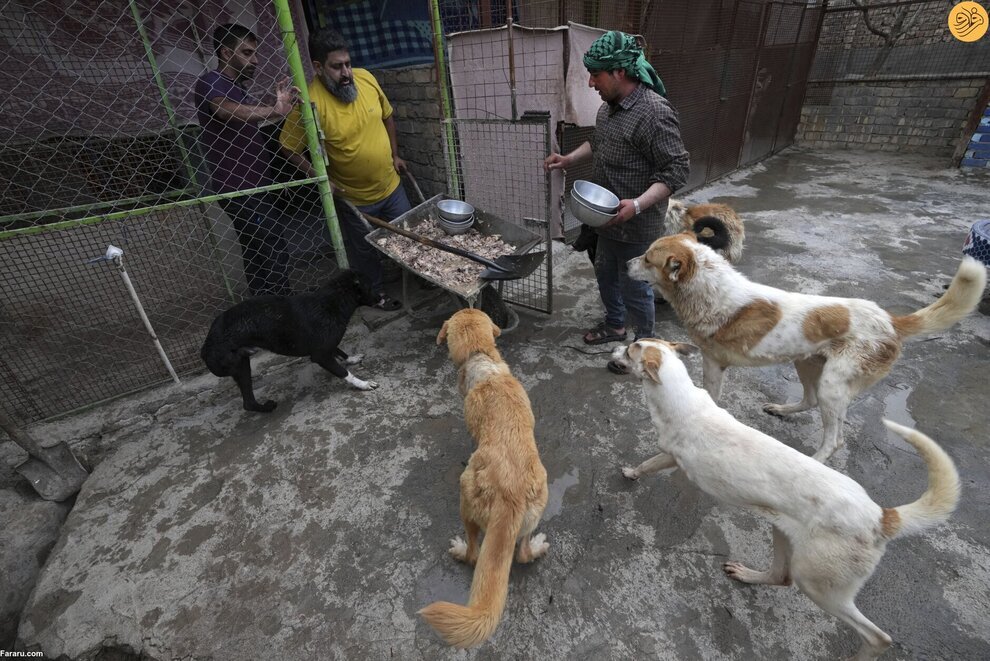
(626, 211)
(286, 96)
(555, 162)
(399, 164)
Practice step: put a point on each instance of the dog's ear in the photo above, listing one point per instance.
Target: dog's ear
(672, 268)
(442, 336)
(684, 348)
(496, 331)
(651, 359)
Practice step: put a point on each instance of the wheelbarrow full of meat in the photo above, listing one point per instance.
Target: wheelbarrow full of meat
(491, 237)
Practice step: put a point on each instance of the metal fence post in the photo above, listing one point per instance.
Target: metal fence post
(291, 45)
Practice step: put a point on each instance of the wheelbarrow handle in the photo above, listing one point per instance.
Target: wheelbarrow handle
(415, 185)
(426, 241)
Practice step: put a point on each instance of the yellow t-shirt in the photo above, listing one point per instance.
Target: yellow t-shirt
(355, 139)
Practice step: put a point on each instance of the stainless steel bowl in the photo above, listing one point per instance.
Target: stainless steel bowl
(596, 196)
(454, 210)
(458, 227)
(446, 221)
(586, 214)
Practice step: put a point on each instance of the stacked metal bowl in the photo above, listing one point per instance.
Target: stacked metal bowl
(592, 204)
(455, 216)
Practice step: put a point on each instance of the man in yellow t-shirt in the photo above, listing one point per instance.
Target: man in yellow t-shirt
(360, 142)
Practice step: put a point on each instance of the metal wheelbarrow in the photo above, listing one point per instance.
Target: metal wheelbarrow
(523, 241)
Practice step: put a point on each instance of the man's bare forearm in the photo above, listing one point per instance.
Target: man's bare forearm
(655, 194)
(227, 109)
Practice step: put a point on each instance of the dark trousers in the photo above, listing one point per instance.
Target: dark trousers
(364, 257)
(626, 301)
(263, 248)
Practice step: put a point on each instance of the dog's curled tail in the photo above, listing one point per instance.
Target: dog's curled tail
(960, 299)
(712, 232)
(939, 499)
(467, 626)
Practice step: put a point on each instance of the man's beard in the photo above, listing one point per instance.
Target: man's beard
(346, 92)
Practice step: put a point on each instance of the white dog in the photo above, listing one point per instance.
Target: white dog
(828, 535)
(840, 346)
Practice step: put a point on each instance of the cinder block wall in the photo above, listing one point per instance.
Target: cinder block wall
(977, 153)
(897, 116)
(413, 94)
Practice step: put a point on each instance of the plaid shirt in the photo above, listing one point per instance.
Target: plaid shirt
(637, 142)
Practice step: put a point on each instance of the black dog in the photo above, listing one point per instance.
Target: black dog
(302, 325)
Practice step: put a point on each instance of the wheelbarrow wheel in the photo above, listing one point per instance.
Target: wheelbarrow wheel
(491, 303)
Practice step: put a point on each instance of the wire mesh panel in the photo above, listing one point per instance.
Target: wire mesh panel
(145, 125)
(894, 40)
(79, 339)
(498, 165)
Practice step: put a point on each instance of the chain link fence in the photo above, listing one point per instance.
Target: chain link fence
(100, 146)
(103, 141)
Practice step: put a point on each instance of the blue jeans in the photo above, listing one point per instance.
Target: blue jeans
(364, 257)
(621, 295)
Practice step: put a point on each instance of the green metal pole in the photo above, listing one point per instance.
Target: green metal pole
(291, 44)
(445, 103)
(89, 208)
(180, 139)
(163, 91)
(144, 211)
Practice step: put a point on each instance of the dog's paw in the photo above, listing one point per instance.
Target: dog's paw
(360, 384)
(355, 359)
(266, 407)
(737, 571)
(630, 473)
(458, 549)
(538, 546)
(781, 410)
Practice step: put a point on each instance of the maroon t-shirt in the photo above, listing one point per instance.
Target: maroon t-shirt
(237, 152)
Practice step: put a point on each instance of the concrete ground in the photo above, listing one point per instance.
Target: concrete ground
(318, 531)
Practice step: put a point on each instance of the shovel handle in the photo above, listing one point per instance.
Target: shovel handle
(19, 437)
(426, 241)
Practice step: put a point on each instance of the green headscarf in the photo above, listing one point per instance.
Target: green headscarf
(618, 50)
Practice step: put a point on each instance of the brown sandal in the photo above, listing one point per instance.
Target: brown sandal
(602, 334)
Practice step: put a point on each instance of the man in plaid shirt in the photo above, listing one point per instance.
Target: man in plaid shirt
(637, 154)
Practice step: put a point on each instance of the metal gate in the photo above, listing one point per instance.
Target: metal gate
(496, 164)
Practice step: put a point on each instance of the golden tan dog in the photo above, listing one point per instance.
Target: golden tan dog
(716, 225)
(503, 488)
(840, 346)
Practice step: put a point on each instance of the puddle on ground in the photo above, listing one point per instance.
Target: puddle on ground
(895, 405)
(557, 488)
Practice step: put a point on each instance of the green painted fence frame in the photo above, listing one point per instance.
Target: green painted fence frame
(318, 157)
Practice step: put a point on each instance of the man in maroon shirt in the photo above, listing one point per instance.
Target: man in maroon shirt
(240, 156)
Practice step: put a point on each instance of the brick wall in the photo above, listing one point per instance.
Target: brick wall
(899, 116)
(977, 154)
(413, 94)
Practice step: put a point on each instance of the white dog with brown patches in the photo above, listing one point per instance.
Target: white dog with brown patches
(828, 534)
(840, 346)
